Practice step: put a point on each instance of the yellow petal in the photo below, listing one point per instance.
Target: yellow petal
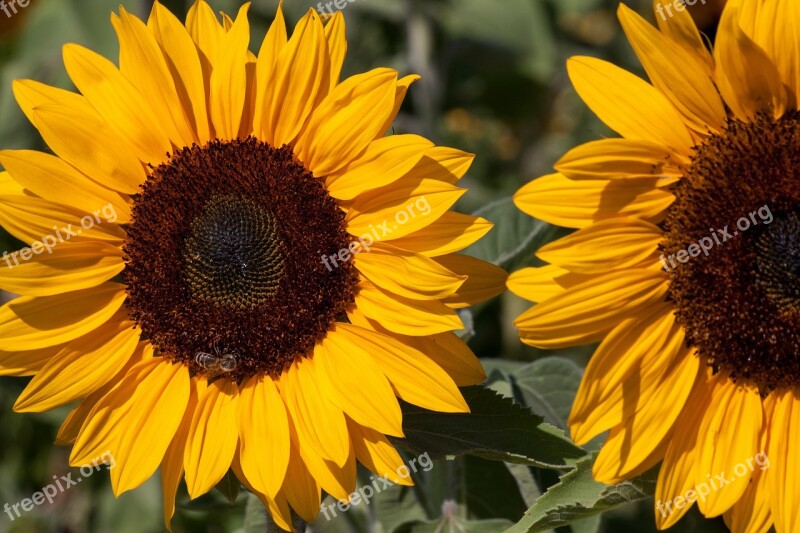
(406, 273)
(746, 77)
(385, 161)
(30, 323)
(28, 362)
(785, 52)
(118, 102)
(320, 424)
(172, 464)
(278, 507)
(271, 48)
(627, 104)
(443, 164)
(585, 313)
(300, 487)
(31, 94)
(415, 378)
(401, 209)
(213, 436)
(346, 121)
(751, 514)
(337, 45)
(404, 315)
(81, 367)
(337, 480)
(399, 96)
(70, 429)
(619, 159)
(229, 78)
(375, 452)
(581, 203)
(681, 29)
(359, 386)
(135, 422)
(615, 244)
(676, 72)
(677, 474)
(484, 280)
(782, 473)
(298, 84)
(450, 233)
(72, 134)
(445, 349)
(68, 267)
(729, 435)
(32, 220)
(639, 442)
(263, 432)
(52, 179)
(143, 63)
(184, 66)
(205, 29)
(538, 284)
(638, 347)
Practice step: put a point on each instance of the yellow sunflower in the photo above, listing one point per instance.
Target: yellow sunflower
(230, 265)
(685, 265)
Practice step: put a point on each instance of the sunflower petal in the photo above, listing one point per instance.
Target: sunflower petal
(359, 386)
(263, 431)
(118, 102)
(184, 66)
(135, 422)
(80, 367)
(415, 378)
(627, 104)
(586, 312)
(746, 77)
(385, 161)
(68, 267)
(229, 78)
(319, 423)
(404, 315)
(52, 179)
(581, 203)
(213, 436)
(30, 323)
(72, 134)
(346, 121)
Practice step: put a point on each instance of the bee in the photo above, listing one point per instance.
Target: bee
(218, 363)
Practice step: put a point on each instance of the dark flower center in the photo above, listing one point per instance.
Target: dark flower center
(233, 255)
(740, 302)
(224, 266)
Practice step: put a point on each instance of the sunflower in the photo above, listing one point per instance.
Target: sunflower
(230, 265)
(684, 266)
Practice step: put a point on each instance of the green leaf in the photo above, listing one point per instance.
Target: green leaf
(514, 238)
(255, 515)
(230, 487)
(496, 428)
(548, 387)
(578, 496)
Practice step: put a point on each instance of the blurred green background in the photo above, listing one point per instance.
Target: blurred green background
(493, 83)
